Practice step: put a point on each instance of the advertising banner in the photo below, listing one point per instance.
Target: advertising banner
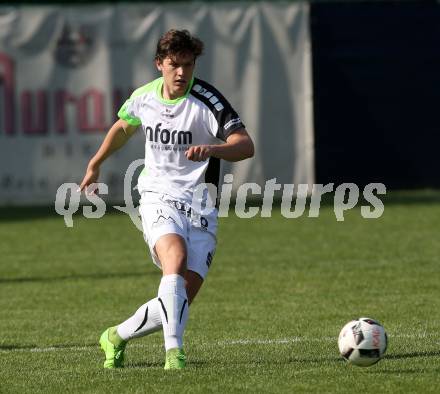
(65, 71)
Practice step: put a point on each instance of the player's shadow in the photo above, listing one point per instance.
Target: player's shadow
(145, 364)
(94, 276)
(155, 364)
(300, 360)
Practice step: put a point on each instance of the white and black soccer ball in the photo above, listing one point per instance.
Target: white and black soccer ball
(363, 342)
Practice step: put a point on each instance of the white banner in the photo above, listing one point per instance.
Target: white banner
(64, 72)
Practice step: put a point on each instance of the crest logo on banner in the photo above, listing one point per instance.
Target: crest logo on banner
(75, 46)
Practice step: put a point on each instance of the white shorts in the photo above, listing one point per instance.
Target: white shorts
(162, 214)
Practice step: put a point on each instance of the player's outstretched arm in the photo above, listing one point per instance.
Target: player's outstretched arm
(116, 137)
(238, 146)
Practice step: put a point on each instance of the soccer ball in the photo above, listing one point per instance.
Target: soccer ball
(362, 342)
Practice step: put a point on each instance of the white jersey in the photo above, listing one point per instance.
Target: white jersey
(202, 116)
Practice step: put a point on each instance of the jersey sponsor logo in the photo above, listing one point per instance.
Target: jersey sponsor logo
(167, 114)
(209, 95)
(165, 136)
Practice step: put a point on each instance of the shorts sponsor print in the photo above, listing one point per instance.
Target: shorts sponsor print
(162, 214)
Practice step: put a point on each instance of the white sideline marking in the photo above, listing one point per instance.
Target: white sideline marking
(218, 343)
(231, 342)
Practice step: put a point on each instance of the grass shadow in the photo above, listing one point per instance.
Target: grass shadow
(28, 213)
(400, 356)
(396, 371)
(315, 360)
(13, 214)
(92, 276)
(33, 347)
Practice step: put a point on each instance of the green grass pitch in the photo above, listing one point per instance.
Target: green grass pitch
(266, 320)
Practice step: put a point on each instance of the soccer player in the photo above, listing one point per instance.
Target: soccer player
(189, 126)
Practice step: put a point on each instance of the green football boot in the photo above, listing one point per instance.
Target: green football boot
(175, 359)
(114, 354)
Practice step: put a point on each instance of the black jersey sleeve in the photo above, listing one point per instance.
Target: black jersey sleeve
(226, 117)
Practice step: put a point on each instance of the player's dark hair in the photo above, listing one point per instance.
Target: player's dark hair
(177, 42)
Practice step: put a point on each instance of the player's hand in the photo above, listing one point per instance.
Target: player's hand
(198, 152)
(91, 177)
